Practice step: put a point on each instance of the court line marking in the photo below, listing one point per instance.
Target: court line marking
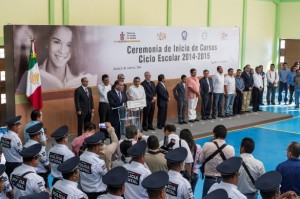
(292, 132)
(259, 126)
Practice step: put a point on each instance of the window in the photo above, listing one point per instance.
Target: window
(281, 59)
(282, 44)
(3, 98)
(2, 53)
(2, 76)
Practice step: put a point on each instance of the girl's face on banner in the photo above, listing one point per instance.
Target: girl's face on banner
(60, 46)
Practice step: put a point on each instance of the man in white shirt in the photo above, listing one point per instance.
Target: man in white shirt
(229, 87)
(137, 92)
(272, 79)
(257, 89)
(211, 174)
(218, 93)
(254, 167)
(103, 109)
(229, 170)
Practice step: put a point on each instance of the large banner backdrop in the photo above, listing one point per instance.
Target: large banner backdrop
(68, 53)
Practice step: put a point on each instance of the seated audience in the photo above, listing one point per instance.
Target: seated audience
(290, 169)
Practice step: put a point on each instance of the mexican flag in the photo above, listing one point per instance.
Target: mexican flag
(34, 87)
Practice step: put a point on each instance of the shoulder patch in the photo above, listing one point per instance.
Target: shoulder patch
(85, 167)
(133, 178)
(19, 182)
(172, 189)
(56, 158)
(57, 194)
(5, 142)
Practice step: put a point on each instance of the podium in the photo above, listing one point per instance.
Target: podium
(131, 114)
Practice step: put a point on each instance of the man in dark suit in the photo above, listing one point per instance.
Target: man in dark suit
(206, 90)
(162, 101)
(148, 111)
(116, 98)
(180, 91)
(84, 104)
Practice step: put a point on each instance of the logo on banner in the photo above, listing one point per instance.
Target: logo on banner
(184, 35)
(161, 36)
(122, 36)
(127, 37)
(224, 36)
(204, 35)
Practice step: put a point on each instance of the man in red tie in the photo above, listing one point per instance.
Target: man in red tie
(84, 104)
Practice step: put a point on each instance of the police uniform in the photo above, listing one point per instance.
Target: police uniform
(178, 187)
(156, 181)
(24, 179)
(92, 168)
(42, 195)
(59, 153)
(269, 182)
(5, 181)
(218, 193)
(11, 146)
(44, 161)
(67, 189)
(229, 167)
(137, 172)
(114, 178)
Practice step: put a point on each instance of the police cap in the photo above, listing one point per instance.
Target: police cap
(218, 193)
(95, 139)
(69, 165)
(115, 177)
(32, 151)
(61, 132)
(156, 181)
(35, 129)
(137, 149)
(269, 181)
(14, 120)
(177, 155)
(230, 166)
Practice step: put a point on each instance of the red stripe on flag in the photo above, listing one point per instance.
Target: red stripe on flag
(36, 98)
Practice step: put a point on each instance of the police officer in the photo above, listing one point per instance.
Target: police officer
(60, 152)
(12, 145)
(269, 186)
(178, 187)
(42, 195)
(24, 179)
(155, 184)
(218, 193)
(5, 187)
(137, 171)
(115, 179)
(67, 188)
(229, 170)
(35, 132)
(92, 168)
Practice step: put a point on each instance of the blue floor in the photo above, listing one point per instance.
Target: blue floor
(271, 139)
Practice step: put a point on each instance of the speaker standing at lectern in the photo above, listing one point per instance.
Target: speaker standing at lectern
(84, 104)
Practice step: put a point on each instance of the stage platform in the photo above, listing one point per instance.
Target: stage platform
(204, 128)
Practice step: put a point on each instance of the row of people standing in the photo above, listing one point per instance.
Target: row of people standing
(111, 98)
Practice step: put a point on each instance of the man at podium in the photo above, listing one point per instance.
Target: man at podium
(117, 99)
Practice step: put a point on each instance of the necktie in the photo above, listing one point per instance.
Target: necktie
(120, 96)
(87, 92)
